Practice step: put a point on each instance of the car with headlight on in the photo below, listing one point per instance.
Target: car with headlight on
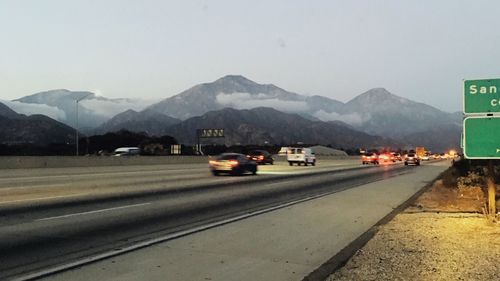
(386, 157)
(370, 158)
(232, 163)
(425, 157)
(412, 159)
(260, 157)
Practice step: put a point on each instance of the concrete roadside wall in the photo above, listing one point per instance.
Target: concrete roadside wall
(29, 162)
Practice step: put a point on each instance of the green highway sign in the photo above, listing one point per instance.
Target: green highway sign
(482, 137)
(481, 96)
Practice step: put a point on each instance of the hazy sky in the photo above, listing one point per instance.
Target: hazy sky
(154, 49)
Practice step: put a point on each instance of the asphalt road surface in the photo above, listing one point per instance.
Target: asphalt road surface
(55, 217)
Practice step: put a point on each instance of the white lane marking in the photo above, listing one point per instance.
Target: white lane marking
(42, 198)
(93, 212)
(280, 182)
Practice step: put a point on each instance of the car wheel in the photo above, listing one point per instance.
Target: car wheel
(305, 163)
(290, 163)
(314, 163)
(418, 163)
(254, 171)
(215, 173)
(406, 163)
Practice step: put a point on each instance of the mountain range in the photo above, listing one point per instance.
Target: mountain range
(376, 112)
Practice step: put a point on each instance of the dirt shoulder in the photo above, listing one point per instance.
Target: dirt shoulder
(428, 246)
(442, 236)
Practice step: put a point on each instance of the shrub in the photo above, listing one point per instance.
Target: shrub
(472, 180)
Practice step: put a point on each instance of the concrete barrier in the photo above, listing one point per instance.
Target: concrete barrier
(29, 162)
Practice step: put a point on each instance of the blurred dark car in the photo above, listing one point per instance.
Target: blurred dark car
(232, 163)
(260, 157)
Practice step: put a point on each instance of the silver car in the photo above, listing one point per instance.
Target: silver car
(412, 159)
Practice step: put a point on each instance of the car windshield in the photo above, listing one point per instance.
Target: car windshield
(411, 155)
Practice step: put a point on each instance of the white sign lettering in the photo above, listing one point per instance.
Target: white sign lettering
(474, 89)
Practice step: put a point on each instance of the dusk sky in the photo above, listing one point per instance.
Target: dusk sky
(420, 50)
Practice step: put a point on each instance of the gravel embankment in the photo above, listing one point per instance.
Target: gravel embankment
(428, 246)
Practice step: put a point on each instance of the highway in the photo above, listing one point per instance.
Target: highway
(53, 217)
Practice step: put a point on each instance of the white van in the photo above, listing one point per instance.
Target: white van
(300, 156)
(127, 151)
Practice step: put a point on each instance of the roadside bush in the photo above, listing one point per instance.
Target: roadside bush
(471, 186)
(472, 180)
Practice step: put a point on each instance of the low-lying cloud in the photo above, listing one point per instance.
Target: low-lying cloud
(354, 119)
(33, 108)
(249, 101)
(110, 108)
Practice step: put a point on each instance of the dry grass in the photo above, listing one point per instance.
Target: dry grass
(440, 198)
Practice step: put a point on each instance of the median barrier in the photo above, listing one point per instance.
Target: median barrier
(30, 162)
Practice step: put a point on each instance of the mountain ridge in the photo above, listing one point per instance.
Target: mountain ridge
(268, 126)
(35, 129)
